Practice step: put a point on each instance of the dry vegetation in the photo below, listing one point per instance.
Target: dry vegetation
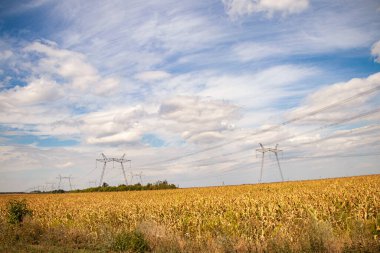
(335, 215)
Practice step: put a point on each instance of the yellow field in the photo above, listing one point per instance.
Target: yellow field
(326, 215)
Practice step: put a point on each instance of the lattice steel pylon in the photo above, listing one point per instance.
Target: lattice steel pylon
(106, 160)
(60, 181)
(138, 175)
(265, 150)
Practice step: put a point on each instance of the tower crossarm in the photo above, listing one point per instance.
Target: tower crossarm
(263, 150)
(121, 160)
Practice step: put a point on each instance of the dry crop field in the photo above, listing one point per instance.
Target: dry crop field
(332, 215)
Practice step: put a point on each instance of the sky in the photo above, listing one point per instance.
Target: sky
(187, 90)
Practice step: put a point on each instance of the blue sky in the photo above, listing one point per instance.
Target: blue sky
(187, 90)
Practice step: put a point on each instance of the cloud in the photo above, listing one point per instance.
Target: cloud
(197, 119)
(375, 51)
(190, 118)
(238, 8)
(331, 37)
(72, 67)
(258, 90)
(149, 76)
(338, 92)
(64, 165)
(255, 51)
(206, 137)
(113, 127)
(192, 109)
(125, 137)
(37, 92)
(135, 36)
(27, 104)
(57, 84)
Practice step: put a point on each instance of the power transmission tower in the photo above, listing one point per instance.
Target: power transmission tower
(106, 160)
(265, 150)
(60, 181)
(138, 175)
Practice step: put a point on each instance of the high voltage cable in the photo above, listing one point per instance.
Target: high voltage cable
(317, 129)
(331, 156)
(293, 136)
(369, 91)
(332, 124)
(333, 136)
(288, 158)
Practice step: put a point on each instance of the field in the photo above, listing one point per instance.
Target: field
(332, 215)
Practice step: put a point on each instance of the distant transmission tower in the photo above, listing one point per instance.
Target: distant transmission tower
(60, 181)
(106, 160)
(265, 150)
(137, 175)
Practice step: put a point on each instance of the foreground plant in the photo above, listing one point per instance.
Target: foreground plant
(17, 211)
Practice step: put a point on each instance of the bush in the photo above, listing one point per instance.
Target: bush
(131, 242)
(17, 210)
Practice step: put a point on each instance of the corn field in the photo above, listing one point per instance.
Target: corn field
(333, 215)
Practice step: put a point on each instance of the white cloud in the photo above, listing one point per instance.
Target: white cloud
(65, 165)
(258, 90)
(80, 76)
(119, 138)
(59, 83)
(375, 51)
(149, 76)
(255, 51)
(135, 36)
(207, 137)
(176, 32)
(335, 93)
(114, 126)
(237, 8)
(37, 92)
(190, 118)
(198, 119)
(28, 104)
(107, 86)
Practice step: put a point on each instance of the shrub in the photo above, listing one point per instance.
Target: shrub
(131, 242)
(17, 210)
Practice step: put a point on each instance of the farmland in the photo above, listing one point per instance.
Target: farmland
(332, 215)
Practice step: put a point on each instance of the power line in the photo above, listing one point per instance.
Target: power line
(293, 136)
(245, 166)
(313, 130)
(314, 112)
(361, 115)
(332, 156)
(334, 136)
